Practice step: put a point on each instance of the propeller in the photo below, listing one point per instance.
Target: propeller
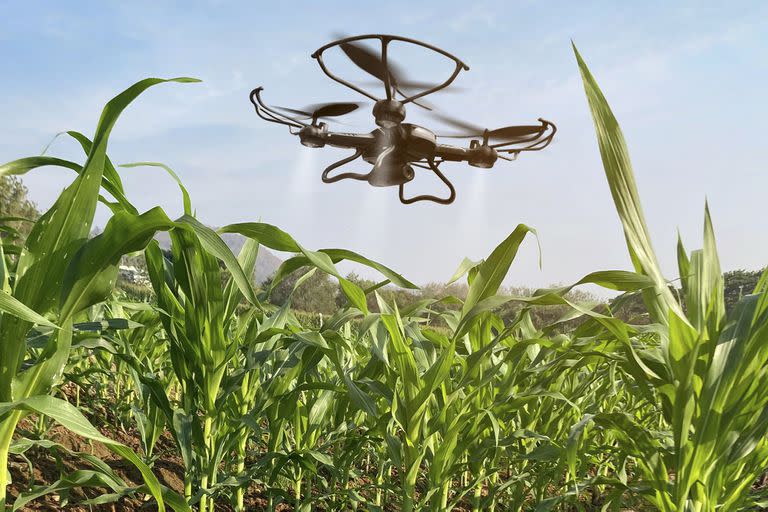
(370, 62)
(474, 131)
(319, 110)
(457, 123)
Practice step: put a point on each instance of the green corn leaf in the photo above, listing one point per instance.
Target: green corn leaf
(75, 480)
(110, 173)
(338, 255)
(24, 165)
(279, 240)
(493, 270)
(56, 236)
(266, 234)
(621, 180)
(465, 266)
(402, 359)
(91, 274)
(247, 260)
(111, 180)
(572, 443)
(12, 306)
(360, 399)
(355, 295)
(184, 194)
(216, 246)
(437, 373)
(70, 418)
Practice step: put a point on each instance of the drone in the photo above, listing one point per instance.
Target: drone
(394, 148)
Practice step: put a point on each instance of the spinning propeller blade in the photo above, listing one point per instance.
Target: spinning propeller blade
(515, 132)
(457, 123)
(370, 62)
(474, 131)
(367, 60)
(323, 110)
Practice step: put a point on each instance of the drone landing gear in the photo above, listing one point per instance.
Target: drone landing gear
(427, 197)
(366, 177)
(344, 175)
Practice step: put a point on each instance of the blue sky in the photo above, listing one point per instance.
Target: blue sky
(687, 81)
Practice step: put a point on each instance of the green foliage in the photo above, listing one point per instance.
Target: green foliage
(318, 294)
(15, 204)
(59, 273)
(708, 366)
(336, 392)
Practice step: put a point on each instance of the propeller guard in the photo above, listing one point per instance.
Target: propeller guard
(388, 85)
(395, 149)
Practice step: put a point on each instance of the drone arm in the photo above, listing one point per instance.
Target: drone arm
(535, 142)
(451, 153)
(359, 141)
(270, 115)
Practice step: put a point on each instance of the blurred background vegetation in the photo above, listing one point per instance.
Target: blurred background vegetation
(320, 294)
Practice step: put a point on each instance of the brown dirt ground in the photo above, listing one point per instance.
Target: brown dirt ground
(48, 467)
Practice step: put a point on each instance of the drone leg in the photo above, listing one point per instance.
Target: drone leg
(344, 175)
(426, 197)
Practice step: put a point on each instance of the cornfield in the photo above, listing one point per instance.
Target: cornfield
(365, 410)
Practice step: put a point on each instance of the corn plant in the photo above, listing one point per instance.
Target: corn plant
(405, 402)
(710, 369)
(59, 274)
(196, 316)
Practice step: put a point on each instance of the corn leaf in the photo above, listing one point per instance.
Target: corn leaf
(72, 419)
(621, 180)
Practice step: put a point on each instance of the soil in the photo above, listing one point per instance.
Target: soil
(49, 465)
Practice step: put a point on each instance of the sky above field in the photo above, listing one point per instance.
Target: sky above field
(686, 80)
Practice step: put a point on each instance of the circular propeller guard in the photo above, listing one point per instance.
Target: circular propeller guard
(367, 61)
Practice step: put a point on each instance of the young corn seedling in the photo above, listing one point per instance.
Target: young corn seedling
(412, 386)
(710, 368)
(198, 311)
(59, 274)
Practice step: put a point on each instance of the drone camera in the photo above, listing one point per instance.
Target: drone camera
(389, 172)
(312, 136)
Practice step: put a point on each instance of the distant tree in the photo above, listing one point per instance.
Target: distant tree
(14, 202)
(315, 295)
(738, 283)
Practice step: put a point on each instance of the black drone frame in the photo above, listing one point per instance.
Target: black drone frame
(360, 142)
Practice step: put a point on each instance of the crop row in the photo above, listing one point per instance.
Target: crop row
(372, 410)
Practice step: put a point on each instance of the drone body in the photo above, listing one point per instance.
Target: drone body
(395, 147)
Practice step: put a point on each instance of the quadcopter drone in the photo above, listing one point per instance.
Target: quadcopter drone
(394, 148)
